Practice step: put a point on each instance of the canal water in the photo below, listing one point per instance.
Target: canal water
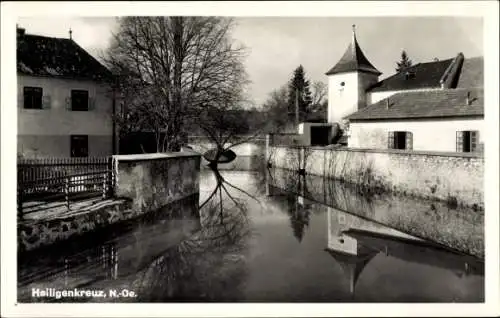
(271, 236)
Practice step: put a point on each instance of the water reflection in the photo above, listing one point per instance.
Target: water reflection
(354, 241)
(461, 229)
(282, 237)
(208, 265)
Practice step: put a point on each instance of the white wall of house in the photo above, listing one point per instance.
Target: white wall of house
(428, 135)
(46, 132)
(347, 99)
(373, 97)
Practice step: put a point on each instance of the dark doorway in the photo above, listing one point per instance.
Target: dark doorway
(320, 135)
(79, 146)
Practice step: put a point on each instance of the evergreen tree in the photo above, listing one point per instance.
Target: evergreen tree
(298, 88)
(404, 63)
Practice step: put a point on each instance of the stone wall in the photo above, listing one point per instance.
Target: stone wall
(144, 184)
(452, 177)
(154, 180)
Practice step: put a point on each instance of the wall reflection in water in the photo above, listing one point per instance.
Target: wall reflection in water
(114, 254)
(460, 229)
(354, 241)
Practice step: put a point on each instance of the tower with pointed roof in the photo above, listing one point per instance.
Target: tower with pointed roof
(348, 81)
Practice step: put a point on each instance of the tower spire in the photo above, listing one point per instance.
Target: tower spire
(70, 34)
(353, 59)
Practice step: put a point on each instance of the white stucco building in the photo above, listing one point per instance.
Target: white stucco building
(433, 106)
(65, 101)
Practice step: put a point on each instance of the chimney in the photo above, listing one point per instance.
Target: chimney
(20, 31)
(468, 99)
(387, 103)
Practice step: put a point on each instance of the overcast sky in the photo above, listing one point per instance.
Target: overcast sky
(278, 45)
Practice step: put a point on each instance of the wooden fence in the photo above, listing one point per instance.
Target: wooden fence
(50, 183)
(45, 168)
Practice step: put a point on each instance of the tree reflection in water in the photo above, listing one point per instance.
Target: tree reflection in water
(209, 265)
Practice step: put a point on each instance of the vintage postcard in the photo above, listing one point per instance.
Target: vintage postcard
(250, 159)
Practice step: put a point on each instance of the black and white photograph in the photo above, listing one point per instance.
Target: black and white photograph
(202, 153)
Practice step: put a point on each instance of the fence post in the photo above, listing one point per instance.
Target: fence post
(104, 185)
(20, 201)
(269, 143)
(66, 191)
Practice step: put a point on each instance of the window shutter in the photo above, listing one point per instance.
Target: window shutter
(20, 100)
(390, 140)
(46, 102)
(474, 138)
(91, 103)
(68, 103)
(409, 140)
(460, 141)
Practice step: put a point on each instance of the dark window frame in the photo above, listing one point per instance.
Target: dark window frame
(32, 95)
(467, 141)
(80, 103)
(400, 140)
(79, 146)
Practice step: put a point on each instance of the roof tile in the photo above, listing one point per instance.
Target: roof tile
(425, 104)
(472, 73)
(353, 60)
(57, 57)
(426, 75)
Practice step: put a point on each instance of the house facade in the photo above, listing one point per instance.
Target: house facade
(65, 101)
(433, 106)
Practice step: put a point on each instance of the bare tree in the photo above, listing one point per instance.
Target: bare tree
(276, 109)
(319, 92)
(172, 68)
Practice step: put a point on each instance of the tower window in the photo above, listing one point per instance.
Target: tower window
(342, 84)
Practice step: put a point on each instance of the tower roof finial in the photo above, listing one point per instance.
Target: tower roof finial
(70, 33)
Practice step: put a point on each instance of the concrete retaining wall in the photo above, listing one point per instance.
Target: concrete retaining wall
(144, 184)
(453, 177)
(154, 180)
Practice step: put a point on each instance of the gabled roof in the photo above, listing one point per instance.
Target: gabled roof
(57, 57)
(472, 73)
(353, 60)
(423, 75)
(425, 104)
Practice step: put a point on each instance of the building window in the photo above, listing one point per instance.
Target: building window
(33, 97)
(400, 140)
(467, 141)
(79, 100)
(79, 146)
